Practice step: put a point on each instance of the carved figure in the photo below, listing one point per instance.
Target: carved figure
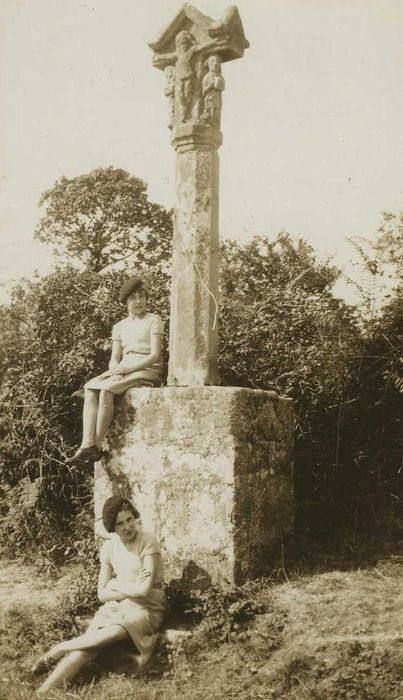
(212, 86)
(187, 91)
(186, 78)
(170, 92)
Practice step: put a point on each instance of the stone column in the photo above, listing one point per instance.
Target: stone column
(194, 292)
(191, 51)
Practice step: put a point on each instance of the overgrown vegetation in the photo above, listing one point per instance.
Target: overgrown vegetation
(330, 635)
(280, 328)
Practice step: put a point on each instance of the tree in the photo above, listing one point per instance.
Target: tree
(281, 328)
(380, 262)
(105, 217)
(390, 240)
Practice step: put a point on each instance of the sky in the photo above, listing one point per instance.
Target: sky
(312, 116)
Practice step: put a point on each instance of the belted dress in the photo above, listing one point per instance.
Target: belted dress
(140, 616)
(134, 335)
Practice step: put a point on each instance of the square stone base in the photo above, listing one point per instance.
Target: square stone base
(210, 470)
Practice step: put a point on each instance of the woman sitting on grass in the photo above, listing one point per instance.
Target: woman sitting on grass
(129, 585)
(135, 361)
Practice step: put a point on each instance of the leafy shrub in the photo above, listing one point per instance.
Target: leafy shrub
(221, 614)
(280, 328)
(55, 335)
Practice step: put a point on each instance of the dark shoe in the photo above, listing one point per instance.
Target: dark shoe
(85, 455)
(42, 665)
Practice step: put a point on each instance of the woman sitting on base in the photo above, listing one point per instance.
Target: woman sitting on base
(129, 585)
(135, 361)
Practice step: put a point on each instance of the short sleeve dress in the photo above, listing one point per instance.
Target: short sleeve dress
(134, 334)
(140, 616)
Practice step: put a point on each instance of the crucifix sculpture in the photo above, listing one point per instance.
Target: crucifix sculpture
(191, 51)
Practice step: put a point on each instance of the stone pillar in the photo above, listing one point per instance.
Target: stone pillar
(194, 292)
(210, 469)
(191, 51)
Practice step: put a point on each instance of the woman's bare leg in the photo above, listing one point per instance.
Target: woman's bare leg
(94, 639)
(105, 415)
(73, 654)
(143, 638)
(90, 413)
(146, 648)
(66, 669)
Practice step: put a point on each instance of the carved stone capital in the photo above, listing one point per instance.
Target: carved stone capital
(227, 31)
(196, 137)
(190, 51)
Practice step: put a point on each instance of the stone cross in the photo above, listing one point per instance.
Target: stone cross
(190, 51)
(231, 446)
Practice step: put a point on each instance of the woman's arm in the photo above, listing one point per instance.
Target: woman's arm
(155, 354)
(105, 593)
(116, 354)
(143, 584)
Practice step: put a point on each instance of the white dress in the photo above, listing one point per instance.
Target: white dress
(139, 616)
(134, 335)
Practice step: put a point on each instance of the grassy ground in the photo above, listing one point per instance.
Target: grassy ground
(328, 636)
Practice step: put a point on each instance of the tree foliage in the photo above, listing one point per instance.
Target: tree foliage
(105, 217)
(280, 328)
(55, 334)
(390, 240)
(380, 262)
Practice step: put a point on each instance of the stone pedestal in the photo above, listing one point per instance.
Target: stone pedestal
(210, 469)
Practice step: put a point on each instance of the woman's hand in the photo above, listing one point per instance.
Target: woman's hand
(124, 366)
(114, 584)
(116, 371)
(107, 586)
(120, 370)
(144, 574)
(143, 582)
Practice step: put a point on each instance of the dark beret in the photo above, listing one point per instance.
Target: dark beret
(112, 507)
(129, 286)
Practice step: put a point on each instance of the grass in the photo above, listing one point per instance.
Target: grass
(326, 636)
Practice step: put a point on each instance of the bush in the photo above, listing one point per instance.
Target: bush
(213, 614)
(61, 326)
(280, 328)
